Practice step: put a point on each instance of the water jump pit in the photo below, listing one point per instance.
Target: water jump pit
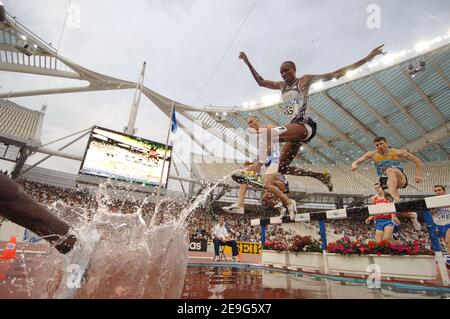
(36, 275)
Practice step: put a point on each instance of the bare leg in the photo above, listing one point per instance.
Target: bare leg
(288, 153)
(379, 236)
(295, 133)
(241, 197)
(21, 209)
(269, 185)
(244, 187)
(388, 233)
(393, 181)
(269, 199)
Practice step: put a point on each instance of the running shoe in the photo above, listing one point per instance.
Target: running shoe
(233, 209)
(326, 179)
(235, 259)
(216, 258)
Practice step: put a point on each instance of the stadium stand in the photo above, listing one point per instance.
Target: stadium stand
(345, 182)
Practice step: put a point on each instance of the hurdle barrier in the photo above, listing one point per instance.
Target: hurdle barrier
(420, 206)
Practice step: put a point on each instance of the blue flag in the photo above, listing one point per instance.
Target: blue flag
(174, 121)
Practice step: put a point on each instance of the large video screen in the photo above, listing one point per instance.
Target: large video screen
(125, 157)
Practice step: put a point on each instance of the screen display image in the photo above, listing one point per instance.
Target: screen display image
(125, 157)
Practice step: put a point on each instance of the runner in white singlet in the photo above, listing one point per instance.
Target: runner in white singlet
(295, 93)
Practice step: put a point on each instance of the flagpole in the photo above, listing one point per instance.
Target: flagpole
(165, 156)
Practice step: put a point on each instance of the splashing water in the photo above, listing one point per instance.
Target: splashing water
(117, 255)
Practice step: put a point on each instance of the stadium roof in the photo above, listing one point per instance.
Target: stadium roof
(387, 102)
(382, 98)
(19, 125)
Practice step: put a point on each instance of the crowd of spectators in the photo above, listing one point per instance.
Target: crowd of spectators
(357, 229)
(201, 221)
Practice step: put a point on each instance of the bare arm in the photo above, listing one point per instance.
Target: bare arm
(258, 78)
(407, 156)
(342, 71)
(372, 199)
(369, 219)
(362, 159)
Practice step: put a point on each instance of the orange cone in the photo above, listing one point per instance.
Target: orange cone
(10, 250)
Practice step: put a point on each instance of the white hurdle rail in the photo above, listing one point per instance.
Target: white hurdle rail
(417, 205)
(420, 206)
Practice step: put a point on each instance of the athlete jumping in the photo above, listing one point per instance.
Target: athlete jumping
(295, 94)
(388, 166)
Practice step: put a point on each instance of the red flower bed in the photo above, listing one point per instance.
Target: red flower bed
(276, 245)
(347, 247)
(300, 244)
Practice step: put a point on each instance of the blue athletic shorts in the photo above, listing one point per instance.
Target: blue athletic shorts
(442, 230)
(382, 223)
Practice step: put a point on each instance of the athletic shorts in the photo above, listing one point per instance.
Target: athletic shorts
(442, 230)
(380, 224)
(309, 124)
(383, 181)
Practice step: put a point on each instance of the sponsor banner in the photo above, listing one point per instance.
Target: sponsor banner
(198, 245)
(246, 248)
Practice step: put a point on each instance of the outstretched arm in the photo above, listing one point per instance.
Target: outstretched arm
(361, 160)
(342, 71)
(259, 79)
(407, 156)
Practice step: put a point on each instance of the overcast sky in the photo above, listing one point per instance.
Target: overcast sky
(183, 41)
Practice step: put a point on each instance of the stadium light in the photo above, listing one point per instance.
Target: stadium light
(373, 64)
(318, 85)
(270, 99)
(402, 54)
(350, 73)
(422, 46)
(389, 59)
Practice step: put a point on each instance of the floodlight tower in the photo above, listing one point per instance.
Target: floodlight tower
(129, 129)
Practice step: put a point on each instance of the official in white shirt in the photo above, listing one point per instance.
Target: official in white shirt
(222, 237)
